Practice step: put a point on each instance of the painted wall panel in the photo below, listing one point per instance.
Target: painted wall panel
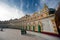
(47, 25)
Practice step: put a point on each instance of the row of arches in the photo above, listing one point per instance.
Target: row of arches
(33, 28)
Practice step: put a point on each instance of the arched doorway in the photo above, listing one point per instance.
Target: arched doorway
(28, 27)
(39, 28)
(33, 28)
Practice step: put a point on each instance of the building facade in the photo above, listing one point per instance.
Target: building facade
(40, 21)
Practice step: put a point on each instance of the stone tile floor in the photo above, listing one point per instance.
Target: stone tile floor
(13, 34)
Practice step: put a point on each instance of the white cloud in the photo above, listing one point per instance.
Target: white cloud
(7, 12)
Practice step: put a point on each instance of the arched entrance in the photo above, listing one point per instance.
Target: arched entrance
(28, 27)
(39, 28)
(33, 28)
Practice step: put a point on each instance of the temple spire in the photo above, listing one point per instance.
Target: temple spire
(45, 6)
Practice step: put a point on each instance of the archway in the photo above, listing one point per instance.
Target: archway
(33, 28)
(39, 28)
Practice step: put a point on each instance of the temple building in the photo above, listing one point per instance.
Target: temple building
(42, 21)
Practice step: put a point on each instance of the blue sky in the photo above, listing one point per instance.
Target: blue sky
(30, 6)
(22, 7)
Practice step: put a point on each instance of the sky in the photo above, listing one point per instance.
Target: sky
(11, 9)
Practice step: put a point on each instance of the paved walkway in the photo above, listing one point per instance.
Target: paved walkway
(13, 34)
(44, 36)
